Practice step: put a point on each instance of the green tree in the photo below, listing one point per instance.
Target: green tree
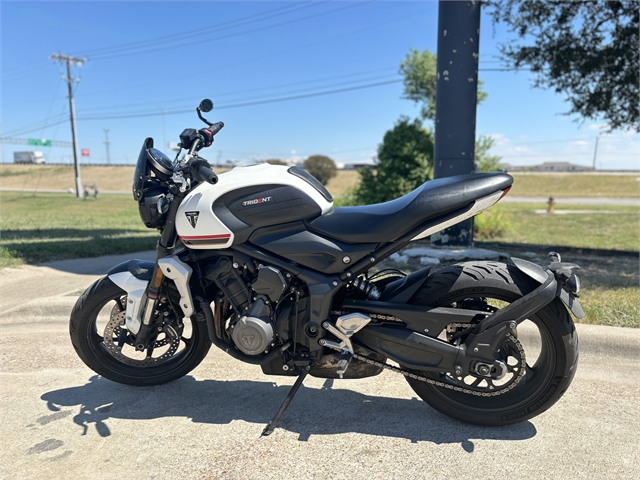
(484, 161)
(587, 50)
(405, 161)
(419, 72)
(321, 167)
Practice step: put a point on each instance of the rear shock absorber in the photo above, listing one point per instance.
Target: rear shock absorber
(366, 287)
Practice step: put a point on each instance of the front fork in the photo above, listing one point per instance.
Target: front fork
(166, 265)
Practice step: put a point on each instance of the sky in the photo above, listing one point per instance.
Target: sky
(288, 79)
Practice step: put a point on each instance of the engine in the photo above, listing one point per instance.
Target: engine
(253, 294)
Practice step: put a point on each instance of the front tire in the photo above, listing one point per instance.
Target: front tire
(97, 325)
(549, 339)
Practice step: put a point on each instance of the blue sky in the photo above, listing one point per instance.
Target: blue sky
(154, 57)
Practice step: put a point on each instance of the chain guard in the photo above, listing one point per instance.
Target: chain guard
(457, 388)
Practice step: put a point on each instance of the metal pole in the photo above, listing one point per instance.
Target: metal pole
(456, 99)
(107, 142)
(595, 152)
(78, 61)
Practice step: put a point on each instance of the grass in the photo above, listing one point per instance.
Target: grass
(42, 227)
(605, 227)
(616, 307)
(575, 185)
(37, 227)
(31, 177)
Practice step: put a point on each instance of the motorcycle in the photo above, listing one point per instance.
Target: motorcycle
(260, 264)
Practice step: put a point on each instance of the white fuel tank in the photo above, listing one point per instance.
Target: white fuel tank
(247, 198)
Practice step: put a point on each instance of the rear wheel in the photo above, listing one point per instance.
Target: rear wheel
(540, 360)
(101, 339)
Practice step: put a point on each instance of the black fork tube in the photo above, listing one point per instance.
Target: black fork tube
(166, 246)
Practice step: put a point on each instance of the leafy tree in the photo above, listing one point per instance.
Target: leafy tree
(419, 71)
(405, 161)
(484, 161)
(321, 167)
(587, 50)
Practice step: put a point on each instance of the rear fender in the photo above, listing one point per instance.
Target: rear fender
(540, 275)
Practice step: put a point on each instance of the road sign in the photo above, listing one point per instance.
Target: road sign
(85, 152)
(40, 142)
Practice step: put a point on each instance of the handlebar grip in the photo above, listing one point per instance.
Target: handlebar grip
(206, 174)
(216, 127)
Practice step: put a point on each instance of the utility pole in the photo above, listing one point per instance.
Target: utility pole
(106, 143)
(595, 152)
(456, 99)
(78, 62)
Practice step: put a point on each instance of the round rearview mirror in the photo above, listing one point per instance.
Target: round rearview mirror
(206, 105)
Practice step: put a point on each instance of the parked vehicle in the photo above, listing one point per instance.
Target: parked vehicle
(29, 157)
(260, 264)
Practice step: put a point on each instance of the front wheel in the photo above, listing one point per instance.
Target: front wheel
(540, 360)
(101, 340)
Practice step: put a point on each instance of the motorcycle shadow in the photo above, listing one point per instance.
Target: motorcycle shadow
(323, 411)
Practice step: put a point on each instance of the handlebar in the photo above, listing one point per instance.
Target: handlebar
(201, 171)
(206, 174)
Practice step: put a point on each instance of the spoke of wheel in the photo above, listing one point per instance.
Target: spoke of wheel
(121, 304)
(476, 382)
(122, 339)
(187, 341)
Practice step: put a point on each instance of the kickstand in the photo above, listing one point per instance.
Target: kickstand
(271, 426)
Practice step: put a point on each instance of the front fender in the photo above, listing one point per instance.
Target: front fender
(133, 277)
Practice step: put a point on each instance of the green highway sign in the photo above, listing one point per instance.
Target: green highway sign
(40, 142)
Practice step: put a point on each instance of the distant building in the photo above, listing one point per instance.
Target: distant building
(561, 167)
(546, 167)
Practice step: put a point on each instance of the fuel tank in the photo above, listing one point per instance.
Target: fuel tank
(247, 198)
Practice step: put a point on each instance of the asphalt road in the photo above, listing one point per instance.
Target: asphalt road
(59, 420)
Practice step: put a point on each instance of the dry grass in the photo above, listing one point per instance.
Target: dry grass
(62, 177)
(44, 177)
(342, 182)
(575, 185)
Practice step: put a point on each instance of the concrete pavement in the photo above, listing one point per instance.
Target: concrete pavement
(60, 420)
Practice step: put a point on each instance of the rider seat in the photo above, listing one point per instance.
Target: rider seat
(386, 222)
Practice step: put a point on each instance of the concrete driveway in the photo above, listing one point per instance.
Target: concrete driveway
(60, 420)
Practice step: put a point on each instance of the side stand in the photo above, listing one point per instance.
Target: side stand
(271, 426)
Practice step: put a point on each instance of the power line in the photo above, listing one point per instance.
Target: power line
(224, 37)
(246, 104)
(261, 89)
(289, 8)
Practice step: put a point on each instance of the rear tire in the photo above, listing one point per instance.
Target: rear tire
(551, 363)
(97, 305)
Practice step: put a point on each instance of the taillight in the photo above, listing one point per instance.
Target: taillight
(504, 192)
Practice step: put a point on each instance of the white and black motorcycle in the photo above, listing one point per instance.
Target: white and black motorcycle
(261, 265)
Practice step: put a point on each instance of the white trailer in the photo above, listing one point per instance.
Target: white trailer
(29, 157)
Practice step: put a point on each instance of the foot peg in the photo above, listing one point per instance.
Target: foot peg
(343, 362)
(345, 327)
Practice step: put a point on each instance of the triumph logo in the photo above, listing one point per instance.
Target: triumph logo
(192, 217)
(256, 201)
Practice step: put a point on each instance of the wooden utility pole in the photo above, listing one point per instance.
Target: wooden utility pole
(456, 99)
(74, 138)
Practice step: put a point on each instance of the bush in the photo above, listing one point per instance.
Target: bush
(321, 167)
(275, 161)
(405, 161)
(491, 224)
